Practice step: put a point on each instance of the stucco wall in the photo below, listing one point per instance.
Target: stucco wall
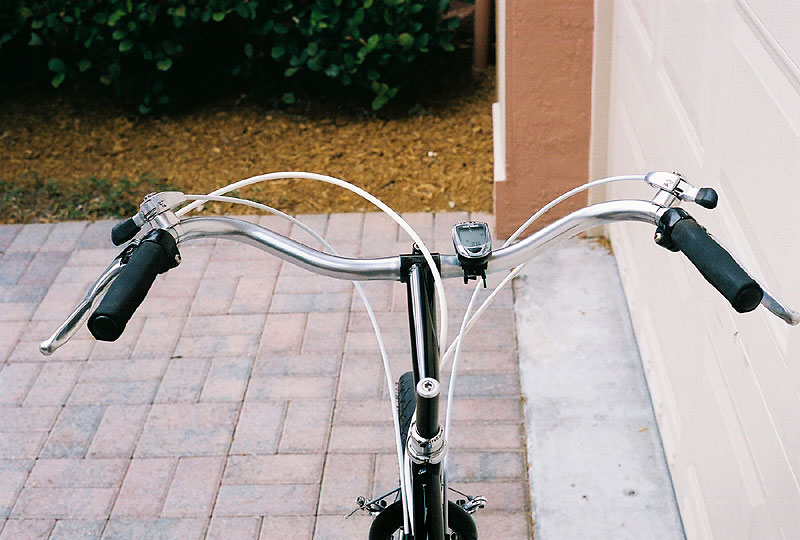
(547, 98)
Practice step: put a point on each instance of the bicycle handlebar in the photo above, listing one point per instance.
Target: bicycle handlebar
(388, 268)
(156, 254)
(741, 294)
(717, 266)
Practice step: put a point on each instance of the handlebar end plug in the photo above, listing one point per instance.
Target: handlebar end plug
(104, 328)
(707, 198)
(124, 231)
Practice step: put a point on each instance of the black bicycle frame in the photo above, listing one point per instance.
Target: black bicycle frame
(426, 478)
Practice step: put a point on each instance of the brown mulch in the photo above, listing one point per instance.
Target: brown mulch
(425, 157)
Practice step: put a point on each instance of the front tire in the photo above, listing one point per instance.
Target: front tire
(390, 521)
(406, 404)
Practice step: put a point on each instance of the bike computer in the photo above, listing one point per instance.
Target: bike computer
(473, 245)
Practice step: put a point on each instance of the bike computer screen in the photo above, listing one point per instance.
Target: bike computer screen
(471, 240)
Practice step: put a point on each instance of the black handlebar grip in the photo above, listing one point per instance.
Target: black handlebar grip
(717, 266)
(156, 254)
(124, 231)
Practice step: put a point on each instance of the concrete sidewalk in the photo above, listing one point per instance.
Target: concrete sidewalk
(596, 463)
(245, 400)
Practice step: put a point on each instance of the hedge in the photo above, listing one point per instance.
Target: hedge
(148, 51)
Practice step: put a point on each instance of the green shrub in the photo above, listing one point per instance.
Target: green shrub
(150, 52)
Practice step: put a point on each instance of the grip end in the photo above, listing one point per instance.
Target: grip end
(104, 328)
(124, 231)
(707, 198)
(748, 298)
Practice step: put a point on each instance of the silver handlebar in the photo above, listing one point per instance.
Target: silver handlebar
(385, 268)
(388, 268)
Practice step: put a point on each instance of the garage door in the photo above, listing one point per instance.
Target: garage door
(712, 89)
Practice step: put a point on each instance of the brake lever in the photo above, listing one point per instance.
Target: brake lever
(78, 317)
(789, 315)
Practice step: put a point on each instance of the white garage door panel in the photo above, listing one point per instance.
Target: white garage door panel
(684, 57)
(712, 89)
(781, 19)
(720, 489)
(648, 13)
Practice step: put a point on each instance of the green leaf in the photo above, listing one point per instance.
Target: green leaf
(405, 40)
(58, 79)
(373, 41)
(379, 102)
(367, 4)
(144, 109)
(105, 80)
(248, 50)
(290, 71)
(83, 65)
(278, 51)
(288, 97)
(125, 45)
(332, 71)
(218, 16)
(114, 18)
(25, 12)
(57, 65)
(37, 24)
(119, 34)
(448, 47)
(35, 40)
(315, 63)
(243, 11)
(416, 8)
(129, 5)
(164, 64)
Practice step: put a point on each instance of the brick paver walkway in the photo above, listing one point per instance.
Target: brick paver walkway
(246, 399)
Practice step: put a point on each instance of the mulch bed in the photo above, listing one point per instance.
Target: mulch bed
(426, 156)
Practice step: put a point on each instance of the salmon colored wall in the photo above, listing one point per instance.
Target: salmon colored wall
(548, 70)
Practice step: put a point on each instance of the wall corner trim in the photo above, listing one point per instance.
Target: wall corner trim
(499, 142)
